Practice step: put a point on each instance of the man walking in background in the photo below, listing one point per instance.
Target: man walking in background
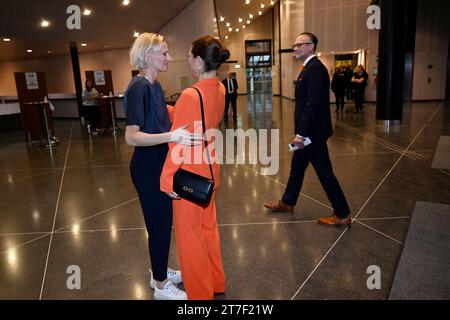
(313, 121)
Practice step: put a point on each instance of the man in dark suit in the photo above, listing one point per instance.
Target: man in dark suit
(231, 87)
(313, 121)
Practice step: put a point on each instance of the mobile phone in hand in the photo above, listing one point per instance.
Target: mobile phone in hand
(293, 147)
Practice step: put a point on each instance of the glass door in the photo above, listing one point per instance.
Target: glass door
(259, 66)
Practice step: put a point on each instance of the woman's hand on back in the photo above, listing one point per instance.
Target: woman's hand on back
(184, 137)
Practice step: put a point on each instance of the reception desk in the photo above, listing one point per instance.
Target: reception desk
(10, 116)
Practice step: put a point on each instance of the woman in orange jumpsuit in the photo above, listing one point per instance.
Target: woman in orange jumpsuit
(196, 231)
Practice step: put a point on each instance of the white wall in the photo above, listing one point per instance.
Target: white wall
(115, 60)
(58, 71)
(433, 27)
(258, 29)
(194, 21)
(292, 18)
(340, 26)
(276, 43)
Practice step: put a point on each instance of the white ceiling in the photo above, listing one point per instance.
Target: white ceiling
(110, 25)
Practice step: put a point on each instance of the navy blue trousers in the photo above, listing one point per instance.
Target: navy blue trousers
(146, 167)
(317, 154)
(230, 98)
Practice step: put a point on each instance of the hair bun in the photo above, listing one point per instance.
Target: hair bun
(211, 51)
(224, 55)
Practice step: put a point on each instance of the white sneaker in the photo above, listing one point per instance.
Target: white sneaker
(169, 292)
(172, 275)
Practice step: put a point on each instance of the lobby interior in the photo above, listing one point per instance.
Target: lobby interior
(75, 205)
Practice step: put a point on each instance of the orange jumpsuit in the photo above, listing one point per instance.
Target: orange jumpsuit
(196, 231)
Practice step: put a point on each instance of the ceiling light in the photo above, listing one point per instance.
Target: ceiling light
(272, 3)
(248, 21)
(228, 24)
(84, 44)
(262, 5)
(45, 23)
(237, 29)
(247, 1)
(86, 12)
(125, 2)
(240, 19)
(243, 27)
(215, 20)
(29, 50)
(6, 39)
(230, 29)
(136, 34)
(222, 18)
(250, 15)
(260, 12)
(226, 37)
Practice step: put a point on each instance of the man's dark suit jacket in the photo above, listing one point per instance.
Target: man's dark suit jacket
(235, 85)
(312, 102)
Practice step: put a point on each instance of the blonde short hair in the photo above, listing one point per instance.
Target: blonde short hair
(145, 43)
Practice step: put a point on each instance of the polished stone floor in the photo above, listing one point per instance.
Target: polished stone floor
(76, 206)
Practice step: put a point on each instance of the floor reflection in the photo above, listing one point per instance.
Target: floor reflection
(97, 223)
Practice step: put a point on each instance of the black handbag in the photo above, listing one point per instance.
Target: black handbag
(191, 186)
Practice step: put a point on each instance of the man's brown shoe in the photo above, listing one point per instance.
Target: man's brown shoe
(279, 206)
(335, 221)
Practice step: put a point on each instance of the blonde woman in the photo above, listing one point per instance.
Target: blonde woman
(148, 131)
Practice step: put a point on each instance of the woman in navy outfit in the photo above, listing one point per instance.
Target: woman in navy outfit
(148, 130)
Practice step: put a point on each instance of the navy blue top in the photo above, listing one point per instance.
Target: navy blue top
(145, 106)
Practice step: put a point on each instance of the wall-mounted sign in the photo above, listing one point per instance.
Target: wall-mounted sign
(32, 81)
(99, 78)
(374, 21)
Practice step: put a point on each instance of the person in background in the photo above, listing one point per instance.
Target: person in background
(148, 131)
(196, 230)
(90, 104)
(359, 81)
(338, 87)
(349, 94)
(231, 87)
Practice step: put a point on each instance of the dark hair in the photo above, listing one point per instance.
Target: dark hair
(312, 37)
(211, 51)
(86, 84)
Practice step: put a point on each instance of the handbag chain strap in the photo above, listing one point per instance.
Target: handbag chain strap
(204, 131)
